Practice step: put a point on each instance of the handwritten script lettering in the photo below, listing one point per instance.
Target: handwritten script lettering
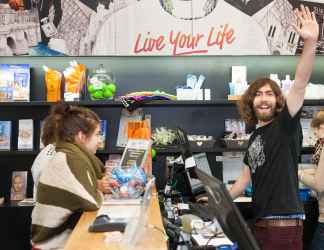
(181, 43)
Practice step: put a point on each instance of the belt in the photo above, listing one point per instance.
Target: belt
(279, 223)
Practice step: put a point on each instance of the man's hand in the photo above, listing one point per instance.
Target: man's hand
(307, 26)
(241, 183)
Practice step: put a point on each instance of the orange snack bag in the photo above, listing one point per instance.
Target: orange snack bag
(74, 81)
(142, 130)
(53, 80)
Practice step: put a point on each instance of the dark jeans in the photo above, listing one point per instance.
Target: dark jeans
(318, 238)
(280, 238)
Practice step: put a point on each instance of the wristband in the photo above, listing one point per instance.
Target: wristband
(301, 176)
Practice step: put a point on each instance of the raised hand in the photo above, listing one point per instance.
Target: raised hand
(307, 26)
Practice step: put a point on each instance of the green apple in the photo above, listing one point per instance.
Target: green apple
(98, 95)
(91, 88)
(107, 93)
(111, 86)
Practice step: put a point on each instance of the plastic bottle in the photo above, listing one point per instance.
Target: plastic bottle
(275, 78)
(286, 84)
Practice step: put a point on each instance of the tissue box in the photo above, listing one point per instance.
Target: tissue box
(190, 94)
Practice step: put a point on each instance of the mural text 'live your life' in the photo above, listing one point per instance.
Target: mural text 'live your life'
(185, 44)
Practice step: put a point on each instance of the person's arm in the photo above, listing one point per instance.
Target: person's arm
(314, 181)
(309, 171)
(307, 28)
(241, 183)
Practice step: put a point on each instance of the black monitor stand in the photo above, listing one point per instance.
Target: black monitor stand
(226, 212)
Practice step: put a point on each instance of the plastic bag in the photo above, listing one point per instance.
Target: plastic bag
(74, 81)
(53, 84)
(128, 182)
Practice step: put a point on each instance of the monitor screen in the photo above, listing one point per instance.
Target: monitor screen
(226, 212)
(196, 185)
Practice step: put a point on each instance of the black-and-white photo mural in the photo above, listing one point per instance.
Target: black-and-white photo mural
(152, 27)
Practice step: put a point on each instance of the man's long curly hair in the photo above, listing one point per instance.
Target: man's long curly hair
(245, 105)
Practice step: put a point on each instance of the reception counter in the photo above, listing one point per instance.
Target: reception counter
(154, 236)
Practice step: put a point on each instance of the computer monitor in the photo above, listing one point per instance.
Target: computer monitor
(196, 186)
(226, 212)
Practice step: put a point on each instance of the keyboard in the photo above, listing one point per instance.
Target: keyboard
(201, 210)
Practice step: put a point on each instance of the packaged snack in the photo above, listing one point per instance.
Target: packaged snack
(53, 84)
(74, 81)
(101, 85)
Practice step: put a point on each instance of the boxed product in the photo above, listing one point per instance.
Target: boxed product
(5, 135)
(18, 185)
(14, 82)
(103, 134)
(25, 134)
(41, 145)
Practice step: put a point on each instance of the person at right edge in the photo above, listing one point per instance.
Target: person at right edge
(271, 161)
(314, 178)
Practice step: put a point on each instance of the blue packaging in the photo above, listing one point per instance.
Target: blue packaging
(304, 194)
(227, 247)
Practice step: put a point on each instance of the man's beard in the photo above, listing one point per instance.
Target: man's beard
(265, 117)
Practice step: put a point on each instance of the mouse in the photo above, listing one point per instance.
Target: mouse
(103, 223)
(104, 217)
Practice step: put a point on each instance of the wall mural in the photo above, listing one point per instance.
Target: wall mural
(152, 27)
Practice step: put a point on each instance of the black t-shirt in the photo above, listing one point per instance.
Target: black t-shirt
(272, 157)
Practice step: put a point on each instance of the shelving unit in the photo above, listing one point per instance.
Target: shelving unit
(135, 74)
(217, 149)
(165, 103)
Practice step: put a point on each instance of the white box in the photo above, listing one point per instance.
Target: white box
(238, 74)
(207, 95)
(185, 94)
(190, 94)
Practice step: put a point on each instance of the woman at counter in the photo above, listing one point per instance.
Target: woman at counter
(314, 178)
(70, 182)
